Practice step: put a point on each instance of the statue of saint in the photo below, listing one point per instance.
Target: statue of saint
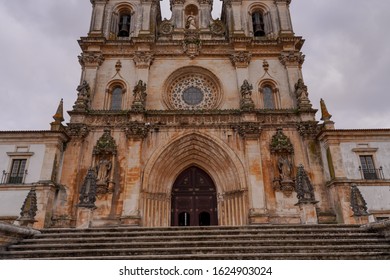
(190, 23)
(284, 167)
(103, 170)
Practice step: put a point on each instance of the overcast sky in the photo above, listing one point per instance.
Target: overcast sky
(347, 63)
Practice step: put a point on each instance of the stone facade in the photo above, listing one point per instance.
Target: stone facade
(223, 97)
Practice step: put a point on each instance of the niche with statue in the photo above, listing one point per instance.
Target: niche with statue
(282, 152)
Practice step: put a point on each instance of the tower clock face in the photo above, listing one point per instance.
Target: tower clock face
(193, 91)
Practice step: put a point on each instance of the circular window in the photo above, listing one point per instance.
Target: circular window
(193, 96)
(192, 91)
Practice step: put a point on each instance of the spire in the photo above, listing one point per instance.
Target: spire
(58, 117)
(325, 116)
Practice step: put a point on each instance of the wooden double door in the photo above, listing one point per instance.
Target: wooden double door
(194, 199)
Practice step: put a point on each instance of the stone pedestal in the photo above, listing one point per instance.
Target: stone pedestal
(258, 216)
(84, 217)
(133, 220)
(308, 213)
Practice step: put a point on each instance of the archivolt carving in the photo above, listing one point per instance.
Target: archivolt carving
(210, 154)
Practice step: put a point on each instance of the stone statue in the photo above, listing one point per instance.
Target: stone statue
(302, 95)
(246, 90)
(301, 90)
(190, 23)
(140, 92)
(82, 102)
(103, 170)
(285, 168)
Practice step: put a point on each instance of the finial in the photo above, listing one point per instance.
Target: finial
(59, 115)
(324, 111)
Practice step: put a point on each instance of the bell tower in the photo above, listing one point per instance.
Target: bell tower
(160, 96)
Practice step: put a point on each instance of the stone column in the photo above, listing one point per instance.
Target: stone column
(237, 25)
(135, 132)
(241, 60)
(284, 18)
(143, 60)
(146, 11)
(97, 18)
(258, 209)
(90, 62)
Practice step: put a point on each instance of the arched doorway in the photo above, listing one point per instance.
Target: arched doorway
(194, 199)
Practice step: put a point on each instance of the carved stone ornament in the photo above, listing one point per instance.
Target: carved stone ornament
(88, 190)
(91, 59)
(29, 209)
(246, 103)
(143, 59)
(83, 97)
(302, 96)
(292, 59)
(325, 116)
(139, 94)
(76, 130)
(303, 187)
(248, 130)
(105, 145)
(192, 43)
(166, 27)
(217, 27)
(358, 204)
(137, 130)
(118, 66)
(308, 129)
(240, 59)
(280, 143)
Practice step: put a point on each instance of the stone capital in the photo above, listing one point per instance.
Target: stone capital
(240, 59)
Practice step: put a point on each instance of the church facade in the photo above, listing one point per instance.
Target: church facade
(196, 121)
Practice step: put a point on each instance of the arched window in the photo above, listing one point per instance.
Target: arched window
(116, 98)
(121, 23)
(124, 24)
(269, 96)
(258, 24)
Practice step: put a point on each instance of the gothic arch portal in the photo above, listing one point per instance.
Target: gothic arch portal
(211, 155)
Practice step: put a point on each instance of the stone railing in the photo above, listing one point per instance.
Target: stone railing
(10, 234)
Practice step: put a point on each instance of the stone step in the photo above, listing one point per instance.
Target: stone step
(195, 239)
(68, 244)
(207, 228)
(380, 249)
(192, 236)
(257, 256)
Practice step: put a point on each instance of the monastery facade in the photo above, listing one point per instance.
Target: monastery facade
(193, 121)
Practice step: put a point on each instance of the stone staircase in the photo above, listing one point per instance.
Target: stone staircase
(249, 242)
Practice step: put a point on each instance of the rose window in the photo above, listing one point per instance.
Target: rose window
(192, 91)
